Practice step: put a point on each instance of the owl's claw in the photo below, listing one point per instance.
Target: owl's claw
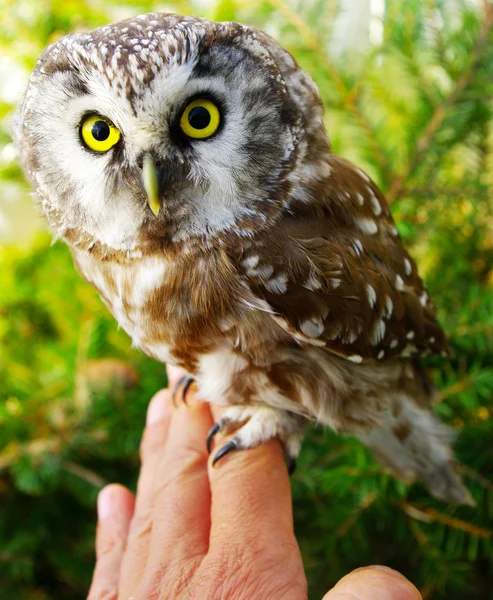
(184, 384)
(226, 449)
(254, 425)
(211, 435)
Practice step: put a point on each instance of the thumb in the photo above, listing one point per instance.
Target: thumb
(373, 583)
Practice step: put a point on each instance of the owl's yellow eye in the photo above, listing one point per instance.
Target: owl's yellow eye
(99, 134)
(200, 119)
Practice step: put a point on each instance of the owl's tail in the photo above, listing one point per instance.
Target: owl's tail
(419, 445)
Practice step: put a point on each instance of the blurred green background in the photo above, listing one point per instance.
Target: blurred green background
(408, 90)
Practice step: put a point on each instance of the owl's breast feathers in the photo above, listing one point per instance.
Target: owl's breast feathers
(331, 273)
(336, 275)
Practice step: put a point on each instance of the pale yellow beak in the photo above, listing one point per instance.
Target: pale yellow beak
(151, 183)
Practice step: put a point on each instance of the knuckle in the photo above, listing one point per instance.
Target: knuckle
(235, 557)
(177, 580)
(109, 544)
(254, 571)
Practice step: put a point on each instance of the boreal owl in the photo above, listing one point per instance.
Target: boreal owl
(186, 165)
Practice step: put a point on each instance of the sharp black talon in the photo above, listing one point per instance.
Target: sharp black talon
(226, 449)
(291, 466)
(210, 436)
(186, 381)
(186, 387)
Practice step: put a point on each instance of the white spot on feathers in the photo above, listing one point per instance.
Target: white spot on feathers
(312, 283)
(399, 283)
(262, 272)
(367, 226)
(250, 262)
(372, 295)
(408, 350)
(277, 285)
(312, 328)
(375, 204)
(408, 267)
(355, 358)
(377, 332)
(389, 307)
(358, 247)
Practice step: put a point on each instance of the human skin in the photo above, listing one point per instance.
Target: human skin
(198, 533)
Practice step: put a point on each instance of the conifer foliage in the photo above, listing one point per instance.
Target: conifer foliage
(409, 99)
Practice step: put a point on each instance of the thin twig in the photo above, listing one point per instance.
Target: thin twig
(457, 388)
(428, 514)
(84, 473)
(473, 474)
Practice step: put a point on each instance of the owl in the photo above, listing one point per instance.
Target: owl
(186, 164)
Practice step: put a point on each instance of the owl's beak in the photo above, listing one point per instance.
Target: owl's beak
(150, 181)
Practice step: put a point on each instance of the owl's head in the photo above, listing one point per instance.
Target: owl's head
(167, 128)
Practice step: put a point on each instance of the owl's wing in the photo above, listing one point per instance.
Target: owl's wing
(334, 273)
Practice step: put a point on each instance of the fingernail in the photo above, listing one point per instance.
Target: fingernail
(158, 407)
(105, 503)
(384, 569)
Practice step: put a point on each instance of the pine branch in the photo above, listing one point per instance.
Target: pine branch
(473, 474)
(428, 515)
(311, 41)
(457, 388)
(349, 97)
(428, 134)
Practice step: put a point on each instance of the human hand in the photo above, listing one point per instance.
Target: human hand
(200, 533)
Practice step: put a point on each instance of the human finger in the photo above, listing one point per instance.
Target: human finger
(251, 494)
(151, 451)
(373, 583)
(181, 514)
(115, 510)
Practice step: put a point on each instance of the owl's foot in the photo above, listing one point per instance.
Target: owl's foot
(255, 425)
(181, 388)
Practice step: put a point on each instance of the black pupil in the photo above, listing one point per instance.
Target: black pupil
(100, 131)
(199, 117)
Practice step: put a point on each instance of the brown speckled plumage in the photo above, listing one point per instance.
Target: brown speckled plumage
(274, 272)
